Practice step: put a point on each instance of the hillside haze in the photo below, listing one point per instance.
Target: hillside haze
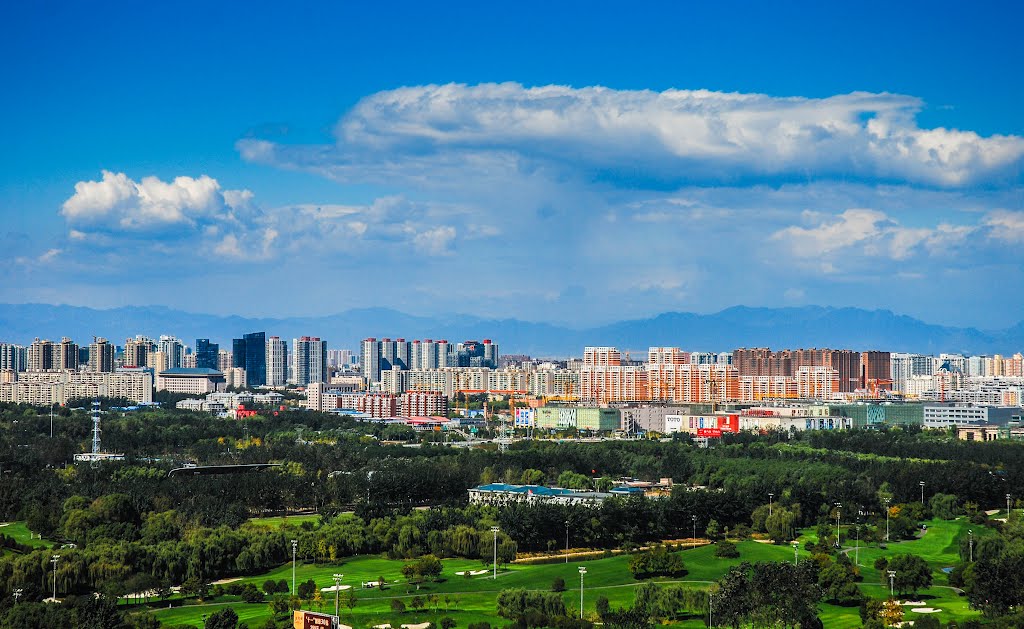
(810, 326)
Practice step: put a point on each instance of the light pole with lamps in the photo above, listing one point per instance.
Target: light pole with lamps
(567, 541)
(970, 542)
(53, 560)
(770, 496)
(494, 530)
(839, 508)
(295, 546)
(694, 519)
(337, 593)
(796, 559)
(922, 492)
(892, 579)
(1007, 508)
(583, 571)
(887, 519)
(17, 595)
(711, 600)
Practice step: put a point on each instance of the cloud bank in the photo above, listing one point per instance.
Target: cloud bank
(694, 136)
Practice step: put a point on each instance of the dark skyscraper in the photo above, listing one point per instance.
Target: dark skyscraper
(255, 359)
(238, 353)
(206, 354)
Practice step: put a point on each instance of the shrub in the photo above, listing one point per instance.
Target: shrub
(558, 585)
(726, 550)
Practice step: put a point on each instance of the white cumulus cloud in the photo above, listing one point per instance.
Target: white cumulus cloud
(121, 203)
(674, 135)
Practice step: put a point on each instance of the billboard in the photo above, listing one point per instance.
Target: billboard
(709, 432)
(524, 417)
(313, 620)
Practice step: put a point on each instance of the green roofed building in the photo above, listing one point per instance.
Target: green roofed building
(582, 418)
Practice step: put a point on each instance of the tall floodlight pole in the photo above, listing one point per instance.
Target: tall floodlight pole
(337, 592)
(51, 420)
(892, 579)
(494, 530)
(567, 541)
(970, 537)
(583, 571)
(53, 560)
(711, 599)
(295, 546)
(839, 507)
(922, 492)
(770, 496)
(1007, 508)
(796, 559)
(694, 518)
(17, 595)
(887, 519)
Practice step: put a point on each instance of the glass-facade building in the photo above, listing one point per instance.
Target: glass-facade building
(250, 353)
(206, 354)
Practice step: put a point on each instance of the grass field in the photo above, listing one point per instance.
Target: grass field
(284, 521)
(473, 599)
(19, 531)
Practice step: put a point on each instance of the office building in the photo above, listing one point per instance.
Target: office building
(277, 362)
(207, 354)
(190, 381)
(173, 350)
(250, 353)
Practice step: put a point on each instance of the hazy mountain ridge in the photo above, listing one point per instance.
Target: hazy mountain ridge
(739, 326)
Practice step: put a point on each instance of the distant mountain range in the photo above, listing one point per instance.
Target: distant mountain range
(779, 328)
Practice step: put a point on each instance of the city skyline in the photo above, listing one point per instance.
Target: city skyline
(557, 165)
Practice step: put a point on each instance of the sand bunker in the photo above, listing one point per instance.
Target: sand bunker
(334, 588)
(926, 610)
(422, 625)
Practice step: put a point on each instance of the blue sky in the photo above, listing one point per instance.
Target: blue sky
(572, 162)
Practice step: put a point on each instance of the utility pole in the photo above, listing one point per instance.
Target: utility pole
(583, 571)
(494, 530)
(839, 507)
(337, 592)
(887, 519)
(295, 546)
(567, 541)
(53, 560)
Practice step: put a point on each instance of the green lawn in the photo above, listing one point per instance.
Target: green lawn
(472, 599)
(19, 531)
(284, 521)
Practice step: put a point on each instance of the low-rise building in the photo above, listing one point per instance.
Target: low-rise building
(581, 418)
(199, 381)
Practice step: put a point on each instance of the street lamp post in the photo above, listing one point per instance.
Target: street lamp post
(567, 541)
(53, 560)
(337, 593)
(17, 595)
(892, 580)
(770, 496)
(839, 508)
(694, 519)
(583, 571)
(1007, 508)
(970, 542)
(887, 519)
(494, 530)
(796, 559)
(856, 551)
(295, 546)
(922, 492)
(711, 600)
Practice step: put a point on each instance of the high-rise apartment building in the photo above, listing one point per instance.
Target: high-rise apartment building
(173, 349)
(876, 371)
(369, 360)
(66, 355)
(40, 355)
(225, 360)
(137, 351)
(903, 366)
(207, 354)
(310, 360)
(101, 355)
(12, 357)
(277, 362)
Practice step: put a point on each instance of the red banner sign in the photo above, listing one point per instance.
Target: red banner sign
(709, 432)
